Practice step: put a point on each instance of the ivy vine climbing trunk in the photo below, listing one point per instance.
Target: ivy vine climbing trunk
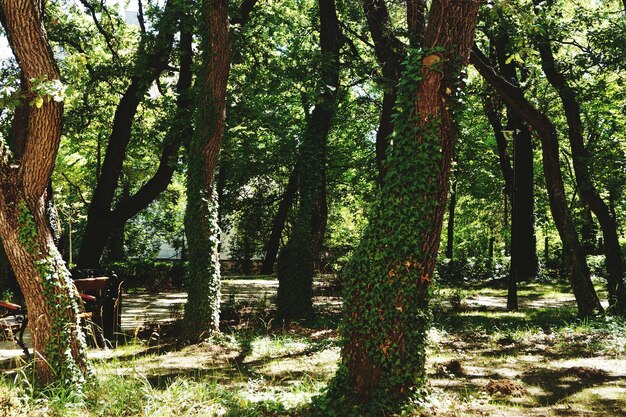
(387, 280)
(201, 316)
(296, 262)
(580, 280)
(24, 176)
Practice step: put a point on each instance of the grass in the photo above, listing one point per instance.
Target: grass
(567, 366)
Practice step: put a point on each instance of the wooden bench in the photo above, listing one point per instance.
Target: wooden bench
(101, 298)
(13, 321)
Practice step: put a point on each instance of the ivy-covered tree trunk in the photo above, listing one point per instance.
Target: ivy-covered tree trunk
(203, 277)
(387, 280)
(24, 175)
(580, 280)
(296, 262)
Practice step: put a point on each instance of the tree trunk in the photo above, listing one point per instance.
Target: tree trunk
(41, 273)
(101, 219)
(450, 228)
(416, 21)
(273, 243)
(519, 180)
(580, 280)
(319, 223)
(524, 262)
(589, 194)
(386, 300)
(297, 259)
(588, 231)
(389, 53)
(493, 115)
(203, 277)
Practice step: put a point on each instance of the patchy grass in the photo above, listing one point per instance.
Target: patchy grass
(483, 361)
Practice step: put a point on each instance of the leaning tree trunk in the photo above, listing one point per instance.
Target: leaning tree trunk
(580, 280)
(273, 243)
(102, 219)
(588, 192)
(41, 273)
(387, 280)
(201, 227)
(296, 263)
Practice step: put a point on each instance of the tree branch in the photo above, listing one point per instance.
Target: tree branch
(244, 12)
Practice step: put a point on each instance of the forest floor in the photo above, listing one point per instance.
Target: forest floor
(482, 360)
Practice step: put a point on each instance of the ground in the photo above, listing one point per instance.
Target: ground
(483, 361)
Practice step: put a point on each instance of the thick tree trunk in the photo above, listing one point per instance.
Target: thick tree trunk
(589, 194)
(273, 243)
(297, 259)
(203, 277)
(580, 280)
(385, 306)
(41, 273)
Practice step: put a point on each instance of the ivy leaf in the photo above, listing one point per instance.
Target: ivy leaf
(37, 102)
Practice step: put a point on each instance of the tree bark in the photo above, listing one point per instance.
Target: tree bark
(101, 220)
(297, 259)
(385, 305)
(450, 228)
(41, 273)
(588, 192)
(273, 243)
(586, 297)
(519, 179)
(493, 115)
(201, 316)
(416, 21)
(389, 53)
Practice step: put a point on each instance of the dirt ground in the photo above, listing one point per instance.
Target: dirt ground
(482, 360)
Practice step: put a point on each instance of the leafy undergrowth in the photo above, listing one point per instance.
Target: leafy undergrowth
(483, 361)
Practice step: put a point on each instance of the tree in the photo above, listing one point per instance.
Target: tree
(588, 192)
(387, 279)
(103, 219)
(586, 297)
(296, 262)
(25, 170)
(203, 276)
